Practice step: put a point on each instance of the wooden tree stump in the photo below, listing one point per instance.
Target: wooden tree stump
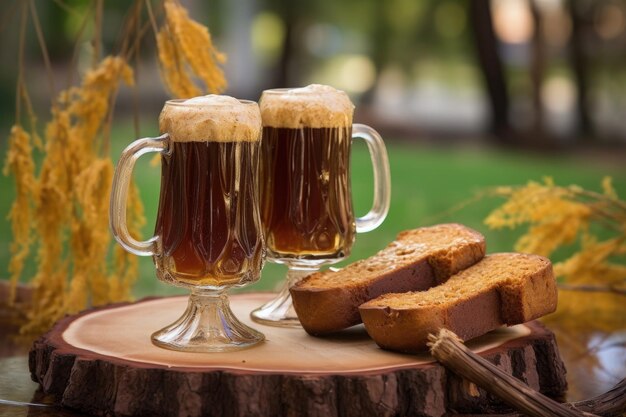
(102, 362)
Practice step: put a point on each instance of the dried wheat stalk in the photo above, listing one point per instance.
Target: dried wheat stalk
(448, 349)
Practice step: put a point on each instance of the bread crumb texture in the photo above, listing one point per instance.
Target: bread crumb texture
(508, 272)
(435, 245)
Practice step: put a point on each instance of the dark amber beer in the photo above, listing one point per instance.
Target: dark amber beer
(209, 232)
(306, 204)
(208, 221)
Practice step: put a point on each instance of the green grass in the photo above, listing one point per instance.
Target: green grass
(426, 183)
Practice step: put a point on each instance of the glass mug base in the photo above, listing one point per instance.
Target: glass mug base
(207, 325)
(279, 312)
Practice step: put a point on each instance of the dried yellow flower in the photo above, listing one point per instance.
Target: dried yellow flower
(63, 211)
(592, 281)
(90, 230)
(125, 264)
(185, 50)
(173, 71)
(607, 187)
(555, 218)
(592, 262)
(559, 216)
(71, 203)
(19, 162)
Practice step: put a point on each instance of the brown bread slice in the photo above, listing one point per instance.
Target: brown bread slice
(503, 288)
(418, 259)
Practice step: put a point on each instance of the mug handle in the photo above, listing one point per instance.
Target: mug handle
(119, 194)
(382, 178)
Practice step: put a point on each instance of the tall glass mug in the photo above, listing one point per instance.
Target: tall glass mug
(208, 234)
(305, 189)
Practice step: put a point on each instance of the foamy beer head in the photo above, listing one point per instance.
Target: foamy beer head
(213, 118)
(315, 106)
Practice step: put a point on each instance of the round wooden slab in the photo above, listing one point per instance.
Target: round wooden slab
(102, 362)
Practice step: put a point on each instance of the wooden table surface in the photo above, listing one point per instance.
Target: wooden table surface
(585, 379)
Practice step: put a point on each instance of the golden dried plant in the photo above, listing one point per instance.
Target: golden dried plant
(19, 162)
(70, 201)
(62, 210)
(592, 280)
(559, 216)
(186, 50)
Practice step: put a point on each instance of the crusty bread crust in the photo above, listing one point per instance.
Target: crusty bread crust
(502, 289)
(328, 301)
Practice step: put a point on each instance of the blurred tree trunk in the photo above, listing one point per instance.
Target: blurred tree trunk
(491, 66)
(537, 70)
(242, 77)
(580, 65)
(287, 11)
(380, 38)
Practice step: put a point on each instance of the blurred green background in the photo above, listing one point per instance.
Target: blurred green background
(468, 94)
(427, 183)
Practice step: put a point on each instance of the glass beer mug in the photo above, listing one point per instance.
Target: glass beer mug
(306, 202)
(208, 234)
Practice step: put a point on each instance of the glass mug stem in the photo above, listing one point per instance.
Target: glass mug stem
(207, 320)
(279, 311)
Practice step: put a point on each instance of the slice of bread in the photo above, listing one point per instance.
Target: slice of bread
(503, 288)
(418, 259)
